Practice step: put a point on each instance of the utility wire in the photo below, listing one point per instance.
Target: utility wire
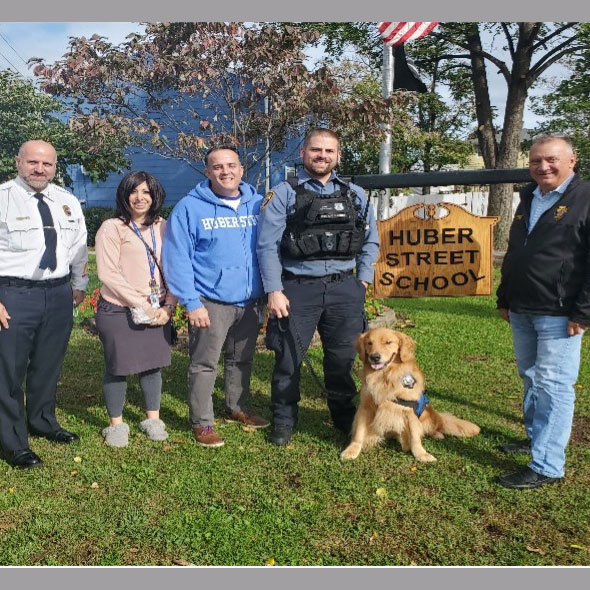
(13, 49)
(10, 63)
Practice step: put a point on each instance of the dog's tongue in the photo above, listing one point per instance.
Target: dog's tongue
(377, 366)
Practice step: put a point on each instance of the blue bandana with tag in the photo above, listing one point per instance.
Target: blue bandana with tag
(418, 406)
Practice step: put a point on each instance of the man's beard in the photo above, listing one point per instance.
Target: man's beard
(39, 183)
(322, 167)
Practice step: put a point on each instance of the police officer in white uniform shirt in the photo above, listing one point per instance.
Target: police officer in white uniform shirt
(43, 258)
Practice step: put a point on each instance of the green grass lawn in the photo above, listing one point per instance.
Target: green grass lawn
(251, 503)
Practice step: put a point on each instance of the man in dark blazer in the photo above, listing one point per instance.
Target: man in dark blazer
(545, 296)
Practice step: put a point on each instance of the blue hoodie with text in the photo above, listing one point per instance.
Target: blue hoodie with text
(209, 249)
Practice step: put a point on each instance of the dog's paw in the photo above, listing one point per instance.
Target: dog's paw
(437, 435)
(351, 452)
(426, 458)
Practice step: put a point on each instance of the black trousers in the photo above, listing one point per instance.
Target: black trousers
(33, 347)
(336, 308)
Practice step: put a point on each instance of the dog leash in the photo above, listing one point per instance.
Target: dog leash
(303, 352)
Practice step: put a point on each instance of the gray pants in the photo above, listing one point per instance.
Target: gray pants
(233, 330)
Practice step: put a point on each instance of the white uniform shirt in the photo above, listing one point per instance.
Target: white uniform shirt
(22, 242)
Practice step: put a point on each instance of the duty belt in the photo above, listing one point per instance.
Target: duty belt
(17, 282)
(338, 276)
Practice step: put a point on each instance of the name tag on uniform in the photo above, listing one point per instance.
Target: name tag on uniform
(21, 218)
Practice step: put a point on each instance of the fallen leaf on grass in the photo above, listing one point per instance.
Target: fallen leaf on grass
(533, 550)
(11, 490)
(373, 537)
(77, 459)
(167, 448)
(271, 561)
(7, 525)
(248, 429)
(94, 485)
(413, 468)
(290, 447)
(182, 562)
(74, 472)
(579, 547)
(381, 493)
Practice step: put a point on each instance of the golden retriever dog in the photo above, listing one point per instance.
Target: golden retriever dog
(391, 396)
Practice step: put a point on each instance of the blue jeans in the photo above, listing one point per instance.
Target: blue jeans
(548, 361)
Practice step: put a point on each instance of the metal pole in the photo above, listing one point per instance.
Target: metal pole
(385, 151)
(267, 150)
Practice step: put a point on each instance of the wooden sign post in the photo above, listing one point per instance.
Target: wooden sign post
(433, 251)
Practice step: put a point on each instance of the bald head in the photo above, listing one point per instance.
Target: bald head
(36, 163)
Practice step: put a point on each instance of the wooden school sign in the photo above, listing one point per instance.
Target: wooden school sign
(434, 250)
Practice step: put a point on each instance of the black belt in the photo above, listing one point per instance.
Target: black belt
(338, 276)
(16, 282)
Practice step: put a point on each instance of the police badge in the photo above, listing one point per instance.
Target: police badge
(67, 210)
(560, 212)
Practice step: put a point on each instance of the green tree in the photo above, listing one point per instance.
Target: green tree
(26, 113)
(434, 131)
(426, 133)
(567, 106)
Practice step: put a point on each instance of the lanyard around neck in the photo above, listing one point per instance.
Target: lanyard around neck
(151, 255)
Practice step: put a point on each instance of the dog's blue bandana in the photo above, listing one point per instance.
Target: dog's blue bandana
(418, 406)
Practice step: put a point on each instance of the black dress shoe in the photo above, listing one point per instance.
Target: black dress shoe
(526, 479)
(24, 459)
(280, 434)
(60, 436)
(522, 446)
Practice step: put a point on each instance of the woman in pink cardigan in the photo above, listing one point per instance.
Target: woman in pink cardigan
(135, 307)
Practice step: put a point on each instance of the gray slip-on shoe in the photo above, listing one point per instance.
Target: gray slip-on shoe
(117, 435)
(154, 429)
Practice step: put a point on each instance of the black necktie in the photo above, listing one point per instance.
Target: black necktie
(48, 259)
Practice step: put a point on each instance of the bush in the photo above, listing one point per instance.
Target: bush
(94, 217)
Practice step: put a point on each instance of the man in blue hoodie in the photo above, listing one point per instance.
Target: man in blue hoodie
(210, 264)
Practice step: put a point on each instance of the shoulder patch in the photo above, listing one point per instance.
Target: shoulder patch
(267, 199)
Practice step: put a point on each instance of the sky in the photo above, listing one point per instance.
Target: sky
(21, 41)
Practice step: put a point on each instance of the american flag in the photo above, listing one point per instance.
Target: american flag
(395, 34)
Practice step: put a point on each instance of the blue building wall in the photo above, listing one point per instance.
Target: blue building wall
(177, 177)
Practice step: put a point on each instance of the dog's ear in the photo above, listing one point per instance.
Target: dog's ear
(406, 347)
(360, 345)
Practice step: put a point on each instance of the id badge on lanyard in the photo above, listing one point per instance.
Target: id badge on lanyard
(154, 287)
(154, 293)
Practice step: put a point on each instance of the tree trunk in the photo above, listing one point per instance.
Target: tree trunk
(486, 135)
(500, 200)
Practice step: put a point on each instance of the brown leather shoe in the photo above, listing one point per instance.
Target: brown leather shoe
(251, 420)
(207, 437)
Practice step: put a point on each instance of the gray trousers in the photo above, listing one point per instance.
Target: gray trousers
(233, 330)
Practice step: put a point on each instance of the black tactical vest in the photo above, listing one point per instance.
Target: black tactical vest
(324, 227)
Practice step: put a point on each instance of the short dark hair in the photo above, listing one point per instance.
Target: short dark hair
(127, 185)
(320, 131)
(231, 148)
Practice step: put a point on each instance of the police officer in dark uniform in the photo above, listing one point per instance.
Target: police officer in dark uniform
(43, 256)
(317, 246)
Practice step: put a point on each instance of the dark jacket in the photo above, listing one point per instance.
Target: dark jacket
(547, 272)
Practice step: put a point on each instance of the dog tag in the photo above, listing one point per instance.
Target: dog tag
(408, 381)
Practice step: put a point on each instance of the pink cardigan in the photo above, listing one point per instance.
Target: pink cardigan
(122, 263)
